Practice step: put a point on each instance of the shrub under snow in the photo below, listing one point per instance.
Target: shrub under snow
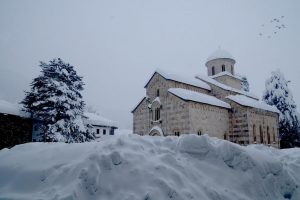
(134, 167)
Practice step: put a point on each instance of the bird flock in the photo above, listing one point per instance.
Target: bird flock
(272, 28)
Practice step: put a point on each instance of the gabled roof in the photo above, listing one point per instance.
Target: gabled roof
(225, 73)
(181, 79)
(249, 102)
(138, 104)
(188, 95)
(225, 87)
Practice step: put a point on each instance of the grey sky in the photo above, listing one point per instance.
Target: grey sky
(117, 44)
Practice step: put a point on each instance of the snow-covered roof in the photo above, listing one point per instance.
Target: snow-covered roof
(189, 95)
(219, 53)
(246, 101)
(225, 73)
(96, 119)
(225, 87)
(12, 109)
(182, 79)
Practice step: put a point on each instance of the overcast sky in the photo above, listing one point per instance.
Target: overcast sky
(116, 45)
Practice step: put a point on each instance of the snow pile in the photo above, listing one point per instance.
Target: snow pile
(12, 109)
(189, 95)
(182, 79)
(225, 87)
(97, 119)
(245, 101)
(134, 167)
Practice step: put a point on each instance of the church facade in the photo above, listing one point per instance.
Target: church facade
(214, 104)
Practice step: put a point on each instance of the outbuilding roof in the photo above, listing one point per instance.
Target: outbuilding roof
(181, 79)
(249, 102)
(97, 119)
(188, 95)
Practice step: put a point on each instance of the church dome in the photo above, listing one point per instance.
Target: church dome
(220, 53)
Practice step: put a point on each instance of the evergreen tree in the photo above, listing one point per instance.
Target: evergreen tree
(56, 101)
(277, 93)
(245, 84)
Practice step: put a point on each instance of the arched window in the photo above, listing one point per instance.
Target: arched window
(231, 69)
(261, 135)
(268, 135)
(223, 68)
(254, 133)
(157, 92)
(199, 132)
(177, 133)
(225, 136)
(213, 70)
(157, 114)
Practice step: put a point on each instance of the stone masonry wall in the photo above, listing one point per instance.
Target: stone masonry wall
(238, 127)
(230, 81)
(263, 122)
(209, 119)
(177, 116)
(141, 119)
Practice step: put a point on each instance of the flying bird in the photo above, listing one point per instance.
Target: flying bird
(274, 27)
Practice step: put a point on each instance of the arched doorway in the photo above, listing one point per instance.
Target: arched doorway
(156, 131)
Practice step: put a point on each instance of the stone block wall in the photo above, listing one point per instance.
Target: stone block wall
(263, 125)
(209, 119)
(177, 116)
(141, 119)
(230, 81)
(238, 128)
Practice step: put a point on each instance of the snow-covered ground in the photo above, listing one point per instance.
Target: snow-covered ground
(129, 167)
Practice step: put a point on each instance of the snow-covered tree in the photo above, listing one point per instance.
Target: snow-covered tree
(278, 94)
(245, 84)
(56, 101)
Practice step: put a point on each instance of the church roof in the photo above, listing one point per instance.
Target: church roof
(246, 101)
(225, 73)
(225, 87)
(181, 79)
(189, 95)
(220, 53)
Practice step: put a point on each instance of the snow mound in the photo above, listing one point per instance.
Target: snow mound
(143, 167)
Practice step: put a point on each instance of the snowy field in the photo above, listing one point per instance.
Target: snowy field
(131, 167)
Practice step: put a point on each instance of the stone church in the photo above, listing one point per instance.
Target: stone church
(214, 104)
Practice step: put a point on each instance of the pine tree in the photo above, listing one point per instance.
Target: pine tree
(277, 93)
(56, 101)
(245, 84)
